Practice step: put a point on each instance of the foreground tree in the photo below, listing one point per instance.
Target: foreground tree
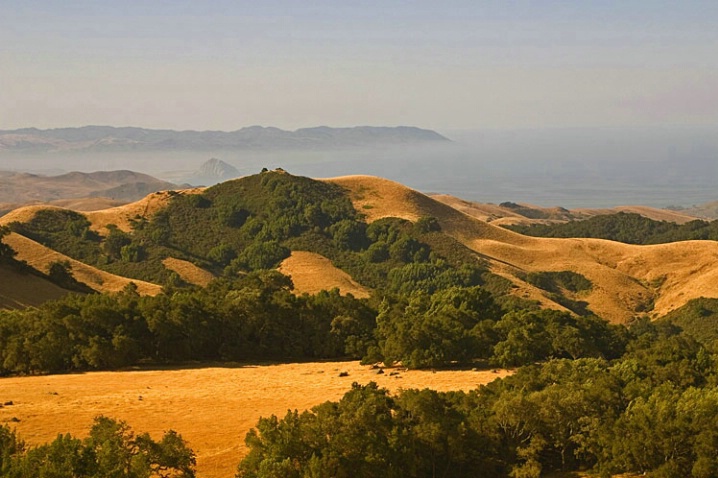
(111, 450)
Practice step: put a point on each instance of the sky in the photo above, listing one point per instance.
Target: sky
(450, 65)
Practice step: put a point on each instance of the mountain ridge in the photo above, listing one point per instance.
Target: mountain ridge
(89, 139)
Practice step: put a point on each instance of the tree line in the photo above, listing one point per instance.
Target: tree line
(629, 228)
(258, 317)
(653, 411)
(111, 450)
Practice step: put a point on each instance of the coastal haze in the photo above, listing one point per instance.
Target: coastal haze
(569, 167)
(590, 104)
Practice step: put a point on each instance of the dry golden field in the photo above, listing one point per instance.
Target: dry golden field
(213, 407)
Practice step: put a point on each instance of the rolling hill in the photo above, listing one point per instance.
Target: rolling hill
(86, 191)
(628, 280)
(209, 232)
(525, 214)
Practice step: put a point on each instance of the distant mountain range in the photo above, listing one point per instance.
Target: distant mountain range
(96, 139)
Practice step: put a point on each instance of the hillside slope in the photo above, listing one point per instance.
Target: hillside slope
(20, 289)
(123, 216)
(40, 257)
(24, 188)
(627, 280)
(311, 273)
(511, 213)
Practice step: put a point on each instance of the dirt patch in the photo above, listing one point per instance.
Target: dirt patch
(213, 407)
(189, 272)
(312, 273)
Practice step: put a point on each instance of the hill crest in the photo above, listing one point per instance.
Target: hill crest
(628, 280)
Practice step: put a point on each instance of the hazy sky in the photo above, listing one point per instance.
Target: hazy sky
(444, 65)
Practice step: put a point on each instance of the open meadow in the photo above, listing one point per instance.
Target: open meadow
(212, 407)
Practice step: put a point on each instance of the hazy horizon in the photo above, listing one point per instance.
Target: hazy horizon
(574, 167)
(557, 103)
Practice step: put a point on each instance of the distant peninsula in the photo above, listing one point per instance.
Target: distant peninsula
(97, 139)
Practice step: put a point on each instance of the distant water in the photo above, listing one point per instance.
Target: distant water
(569, 168)
(659, 167)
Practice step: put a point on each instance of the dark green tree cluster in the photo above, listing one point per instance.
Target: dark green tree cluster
(460, 325)
(397, 256)
(111, 450)
(556, 281)
(370, 433)
(652, 411)
(563, 287)
(629, 228)
(255, 317)
(454, 325)
(62, 230)
(699, 319)
(60, 272)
